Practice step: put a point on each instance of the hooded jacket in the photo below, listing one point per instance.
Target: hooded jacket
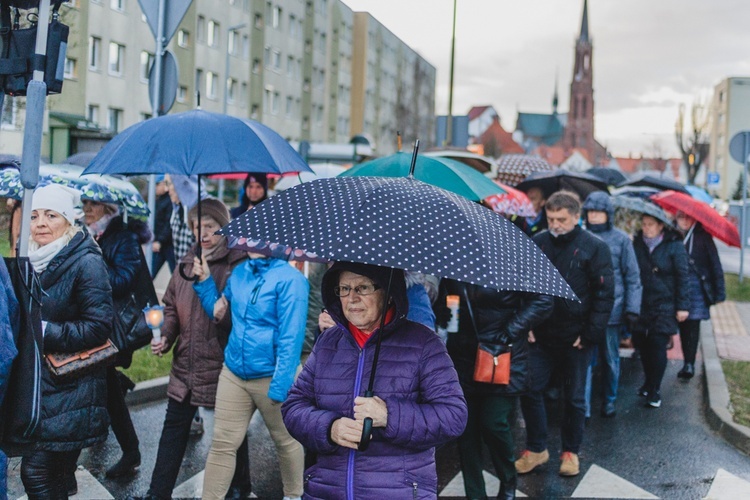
(268, 303)
(625, 269)
(198, 352)
(77, 307)
(666, 286)
(584, 262)
(416, 379)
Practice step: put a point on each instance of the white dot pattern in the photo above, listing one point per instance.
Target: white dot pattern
(401, 223)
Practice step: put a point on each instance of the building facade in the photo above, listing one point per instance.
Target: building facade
(290, 64)
(730, 114)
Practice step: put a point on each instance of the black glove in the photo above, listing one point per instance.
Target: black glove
(442, 315)
(631, 321)
(495, 349)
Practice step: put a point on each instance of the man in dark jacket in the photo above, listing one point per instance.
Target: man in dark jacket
(162, 245)
(566, 338)
(9, 325)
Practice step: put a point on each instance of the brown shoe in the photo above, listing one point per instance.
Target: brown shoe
(530, 461)
(569, 465)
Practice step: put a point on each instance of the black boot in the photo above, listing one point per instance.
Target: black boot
(71, 484)
(687, 372)
(127, 465)
(507, 490)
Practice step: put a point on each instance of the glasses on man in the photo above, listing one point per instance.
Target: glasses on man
(344, 291)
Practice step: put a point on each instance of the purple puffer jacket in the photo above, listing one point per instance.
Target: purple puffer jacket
(416, 379)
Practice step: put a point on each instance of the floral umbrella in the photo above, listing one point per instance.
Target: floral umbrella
(512, 202)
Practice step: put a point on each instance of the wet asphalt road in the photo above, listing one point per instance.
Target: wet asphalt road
(670, 452)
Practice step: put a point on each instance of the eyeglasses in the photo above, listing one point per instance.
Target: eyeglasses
(361, 290)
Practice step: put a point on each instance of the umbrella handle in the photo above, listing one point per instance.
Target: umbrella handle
(185, 276)
(364, 441)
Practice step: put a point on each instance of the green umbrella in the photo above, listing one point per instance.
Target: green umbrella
(444, 173)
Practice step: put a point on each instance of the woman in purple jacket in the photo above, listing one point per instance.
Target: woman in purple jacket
(418, 405)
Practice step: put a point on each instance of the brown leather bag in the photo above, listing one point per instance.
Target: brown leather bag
(71, 365)
(492, 369)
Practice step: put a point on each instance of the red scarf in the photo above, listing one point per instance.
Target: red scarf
(361, 337)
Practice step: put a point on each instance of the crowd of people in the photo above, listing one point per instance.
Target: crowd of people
(247, 333)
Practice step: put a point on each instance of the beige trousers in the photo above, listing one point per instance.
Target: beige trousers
(236, 402)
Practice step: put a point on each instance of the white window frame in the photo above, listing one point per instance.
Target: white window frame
(95, 53)
(146, 60)
(212, 80)
(116, 69)
(212, 34)
(70, 68)
(183, 38)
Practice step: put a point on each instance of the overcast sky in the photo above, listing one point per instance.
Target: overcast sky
(649, 56)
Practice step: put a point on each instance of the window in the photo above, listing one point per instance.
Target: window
(114, 121)
(289, 66)
(145, 116)
(233, 42)
(182, 93)
(243, 93)
(270, 100)
(95, 49)
(256, 66)
(116, 58)
(201, 29)
(254, 111)
(70, 68)
(292, 26)
(231, 89)
(147, 59)
(211, 82)
(276, 60)
(213, 34)
(183, 38)
(289, 105)
(276, 17)
(258, 21)
(245, 46)
(117, 5)
(10, 112)
(92, 113)
(198, 80)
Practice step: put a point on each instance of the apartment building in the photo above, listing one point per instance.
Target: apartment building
(730, 113)
(290, 64)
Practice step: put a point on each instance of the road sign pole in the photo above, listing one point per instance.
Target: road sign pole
(743, 214)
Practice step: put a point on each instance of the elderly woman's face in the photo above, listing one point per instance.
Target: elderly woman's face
(361, 309)
(47, 226)
(93, 211)
(651, 226)
(208, 227)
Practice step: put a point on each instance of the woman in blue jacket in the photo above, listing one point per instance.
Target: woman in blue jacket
(267, 299)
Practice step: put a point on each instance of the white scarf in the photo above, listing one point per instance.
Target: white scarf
(41, 257)
(96, 229)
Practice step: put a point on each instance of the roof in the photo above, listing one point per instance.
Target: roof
(585, 22)
(75, 121)
(476, 111)
(502, 137)
(548, 128)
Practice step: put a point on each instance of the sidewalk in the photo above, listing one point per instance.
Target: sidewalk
(725, 337)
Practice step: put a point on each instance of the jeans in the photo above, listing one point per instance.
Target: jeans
(3, 476)
(119, 415)
(690, 332)
(609, 356)
(172, 444)
(653, 348)
(488, 423)
(162, 256)
(43, 473)
(573, 362)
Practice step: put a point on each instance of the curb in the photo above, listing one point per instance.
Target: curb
(717, 394)
(148, 391)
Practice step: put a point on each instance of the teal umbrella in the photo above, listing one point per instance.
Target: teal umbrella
(444, 173)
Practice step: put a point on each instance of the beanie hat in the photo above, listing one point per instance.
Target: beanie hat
(211, 207)
(58, 198)
(159, 178)
(261, 179)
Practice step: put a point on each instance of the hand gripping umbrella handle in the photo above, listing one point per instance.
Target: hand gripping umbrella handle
(364, 441)
(184, 275)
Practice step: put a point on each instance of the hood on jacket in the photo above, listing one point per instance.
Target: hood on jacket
(378, 274)
(600, 201)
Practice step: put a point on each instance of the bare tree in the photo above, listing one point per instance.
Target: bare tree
(693, 144)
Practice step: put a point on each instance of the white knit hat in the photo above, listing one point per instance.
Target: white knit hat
(61, 199)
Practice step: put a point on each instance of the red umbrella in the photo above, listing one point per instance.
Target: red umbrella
(512, 202)
(716, 225)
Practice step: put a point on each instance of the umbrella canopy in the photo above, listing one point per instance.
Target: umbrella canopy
(635, 191)
(514, 168)
(716, 225)
(551, 182)
(319, 171)
(480, 163)
(445, 173)
(102, 188)
(401, 223)
(700, 194)
(197, 142)
(611, 176)
(641, 206)
(659, 183)
(81, 159)
(512, 202)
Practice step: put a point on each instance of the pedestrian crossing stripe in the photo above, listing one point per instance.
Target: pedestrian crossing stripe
(728, 486)
(456, 487)
(88, 487)
(193, 487)
(601, 483)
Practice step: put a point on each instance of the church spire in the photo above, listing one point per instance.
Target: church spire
(585, 23)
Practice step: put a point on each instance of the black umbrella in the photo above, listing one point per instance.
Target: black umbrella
(611, 176)
(659, 183)
(556, 180)
(399, 223)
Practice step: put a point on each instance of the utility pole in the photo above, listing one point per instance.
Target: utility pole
(449, 123)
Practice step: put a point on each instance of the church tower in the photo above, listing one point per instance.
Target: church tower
(579, 131)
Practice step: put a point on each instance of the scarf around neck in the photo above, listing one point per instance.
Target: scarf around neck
(652, 243)
(42, 256)
(96, 229)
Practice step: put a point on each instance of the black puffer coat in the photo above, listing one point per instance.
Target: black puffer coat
(77, 307)
(586, 264)
(666, 286)
(497, 314)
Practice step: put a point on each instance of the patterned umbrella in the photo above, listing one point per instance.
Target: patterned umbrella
(512, 202)
(716, 225)
(401, 223)
(514, 168)
(629, 209)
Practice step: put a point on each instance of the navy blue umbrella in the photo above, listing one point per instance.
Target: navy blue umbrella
(558, 179)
